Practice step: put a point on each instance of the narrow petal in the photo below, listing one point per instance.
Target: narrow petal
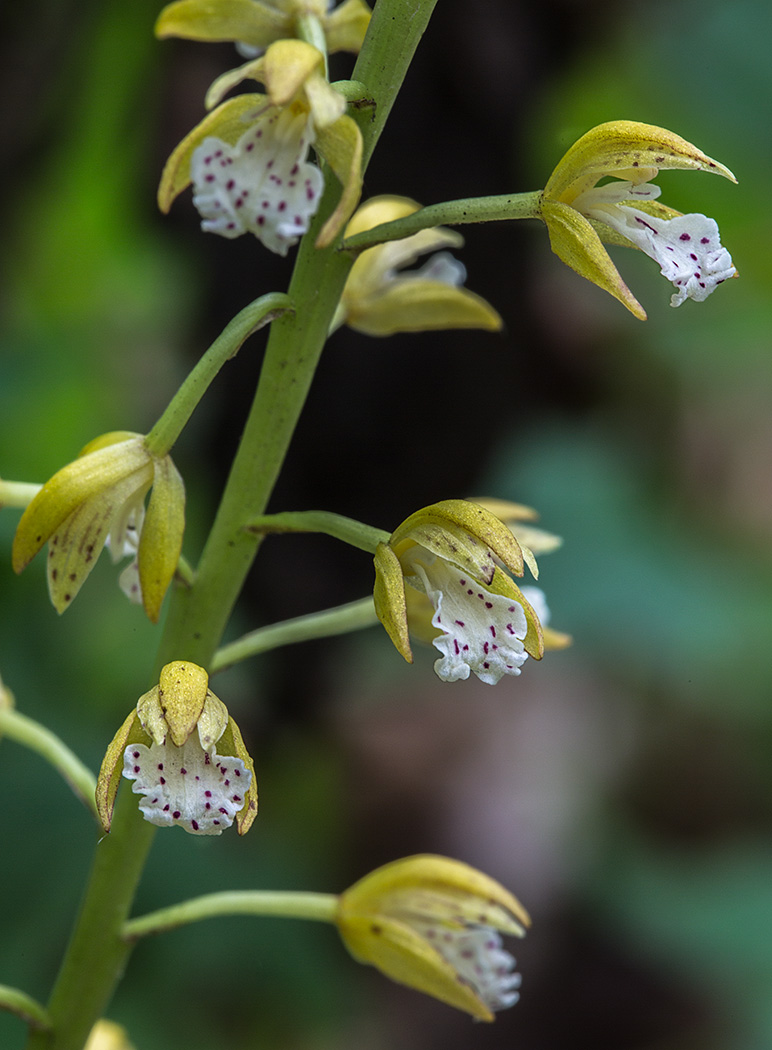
(389, 599)
(248, 21)
(232, 742)
(227, 122)
(285, 68)
(160, 541)
(576, 243)
(341, 146)
(110, 774)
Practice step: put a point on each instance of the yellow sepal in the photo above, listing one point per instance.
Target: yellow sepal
(232, 743)
(109, 779)
(218, 20)
(627, 150)
(416, 305)
(389, 599)
(374, 919)
(85, 477)
(576, 243)
(228, 122)
(346, 25)
(340, 144)
(160, 542)
(472, 536)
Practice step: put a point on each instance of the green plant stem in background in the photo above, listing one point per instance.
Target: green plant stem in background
(450, 213)
(349, 530)
(248, 321)
(96, 955)
(24, 1006)
(17, 493)
(38, 738)
(341, 619)
(320, 907)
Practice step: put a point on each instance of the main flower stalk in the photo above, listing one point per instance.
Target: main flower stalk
(96, 955)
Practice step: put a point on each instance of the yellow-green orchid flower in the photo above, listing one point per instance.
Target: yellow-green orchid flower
(99, 498)
(379, 301)
(169, 747)
(107, 1035)
(532, 541)
(451, 552)
(258, 23)
(247, 159)
(434, 924)
(580, 214)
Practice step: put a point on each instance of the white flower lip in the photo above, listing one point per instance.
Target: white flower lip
(263, 185)
(482, 631)
(688, 247)
(187, 786)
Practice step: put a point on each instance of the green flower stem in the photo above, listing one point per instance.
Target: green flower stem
(349, 530)
(24, 1006)
(96, 955)
(41, 740)
(354, 92)
(310, 29)
(17, 493)
(450, 213)
(248, 321)
(320, 907)
(197, 615)
(341, 619)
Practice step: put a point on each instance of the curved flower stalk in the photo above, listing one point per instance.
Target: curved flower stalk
(99, 498)
(169, 748)
(258, 23)
(247, 159)
(434, 924)
(377, 300)
(451, 552)
(580, 214)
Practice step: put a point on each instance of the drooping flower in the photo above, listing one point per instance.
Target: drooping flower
(377, 300)
(434, 924)
(99, 497)
(452, 553)
(580, 214)
(258, 23)
(248, 159)
(186, 757)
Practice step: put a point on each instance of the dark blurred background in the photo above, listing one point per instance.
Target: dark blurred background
(622, 789)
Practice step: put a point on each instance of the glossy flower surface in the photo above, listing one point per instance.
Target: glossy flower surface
(380, 299)
(100, 496)
(435, 925)
(580, 214)
(248, 159)
(185, 756)
(451, 552)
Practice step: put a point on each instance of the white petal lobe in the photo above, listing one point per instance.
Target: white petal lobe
(263, 185)
(186, 786)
